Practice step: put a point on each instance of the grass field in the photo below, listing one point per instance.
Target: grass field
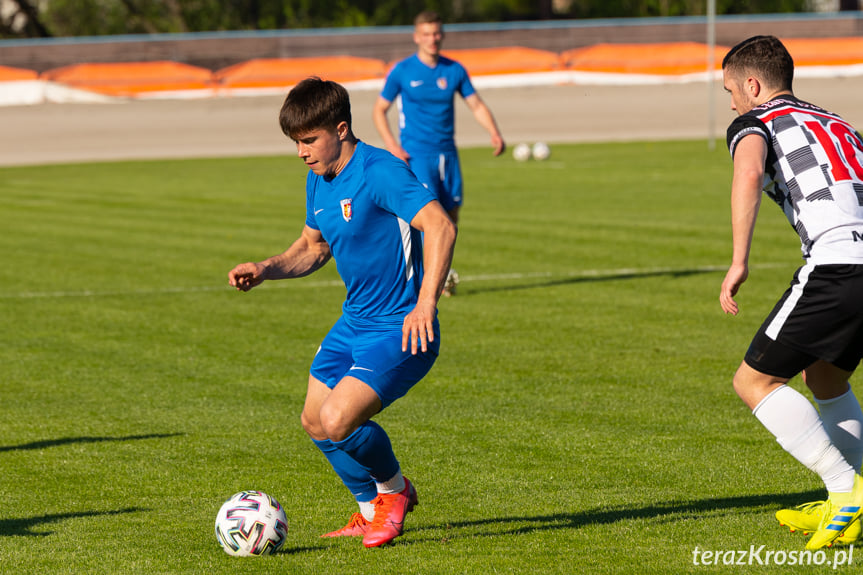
(580, 418)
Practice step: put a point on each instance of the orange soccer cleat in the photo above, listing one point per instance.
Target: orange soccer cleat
(390, 512)
(357, 525)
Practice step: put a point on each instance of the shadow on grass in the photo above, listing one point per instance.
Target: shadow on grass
(24, 526)
(669, 511)
(678, 273)
(69, 440)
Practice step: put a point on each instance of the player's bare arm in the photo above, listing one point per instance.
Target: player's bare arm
(746, 187)
(306, 255)
(379, 115)
(439, 234)
(485, 118)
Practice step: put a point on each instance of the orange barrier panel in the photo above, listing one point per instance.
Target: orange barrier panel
(825, 51)
(505, 60)
(276, 72)
(8, 74)
(136, 78)
(673, 58)
(132, 78)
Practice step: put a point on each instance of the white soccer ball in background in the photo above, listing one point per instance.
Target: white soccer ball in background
(251, 523)
(521, 153)
(540, 151)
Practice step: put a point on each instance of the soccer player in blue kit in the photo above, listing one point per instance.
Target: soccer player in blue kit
(427, 83)
(393, 244)
(810, 162)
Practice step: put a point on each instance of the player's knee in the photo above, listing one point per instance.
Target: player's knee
(753, 386)
(336, 423)
(312, 425)
(742, 384)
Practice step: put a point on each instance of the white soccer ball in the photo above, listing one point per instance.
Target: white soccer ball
(251, 523)
(521, 153)
(540, 151)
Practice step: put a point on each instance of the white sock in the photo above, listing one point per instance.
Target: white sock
(843, 421)
(395, 484)
(797, 427)
(367, 508)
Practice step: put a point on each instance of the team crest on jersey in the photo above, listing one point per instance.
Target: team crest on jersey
(441, 83)
(347, 209)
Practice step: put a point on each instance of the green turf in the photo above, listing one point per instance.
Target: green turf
(580, 418)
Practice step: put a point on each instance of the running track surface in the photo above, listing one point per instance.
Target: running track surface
(248, 126)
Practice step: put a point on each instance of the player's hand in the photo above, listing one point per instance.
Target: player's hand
(498, 144)
(734, 278)
(401, 154)
(418, 328)
(246, 276)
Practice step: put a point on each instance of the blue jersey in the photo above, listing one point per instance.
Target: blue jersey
(364, 214)
(427, 108)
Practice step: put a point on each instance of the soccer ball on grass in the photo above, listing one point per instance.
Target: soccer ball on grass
(540, 151)
(251, 523)
(521, 153)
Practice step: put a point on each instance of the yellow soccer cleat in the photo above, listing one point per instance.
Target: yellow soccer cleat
(804, 517)
(840, 517)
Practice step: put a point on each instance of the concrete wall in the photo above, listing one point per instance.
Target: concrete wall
(217, 50)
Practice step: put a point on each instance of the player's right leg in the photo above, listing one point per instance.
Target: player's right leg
(331, 362)
(391, 373)
(840, 411)
(356, 477)
(450, 195)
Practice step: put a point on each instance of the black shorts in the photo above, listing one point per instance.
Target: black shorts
(819, 317)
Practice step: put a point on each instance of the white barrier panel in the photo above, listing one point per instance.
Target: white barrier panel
(21, 93)
(61, 94)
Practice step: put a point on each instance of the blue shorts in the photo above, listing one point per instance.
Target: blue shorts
(375, 357)
(440, 173)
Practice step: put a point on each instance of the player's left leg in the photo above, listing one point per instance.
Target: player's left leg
(795, 424)
(451, 197)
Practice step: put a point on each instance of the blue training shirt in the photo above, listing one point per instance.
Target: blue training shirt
(364, 214)
(427, 108)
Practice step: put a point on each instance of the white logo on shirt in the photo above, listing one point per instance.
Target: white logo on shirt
(416, 83)
(319, 211)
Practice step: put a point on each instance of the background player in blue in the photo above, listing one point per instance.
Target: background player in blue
(392, 243)
(427, 83)
(810, 162)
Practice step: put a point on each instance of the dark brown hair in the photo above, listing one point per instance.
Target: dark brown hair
(764, 57)
(314, 104)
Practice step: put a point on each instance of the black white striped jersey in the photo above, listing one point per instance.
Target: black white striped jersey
(814, 172)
